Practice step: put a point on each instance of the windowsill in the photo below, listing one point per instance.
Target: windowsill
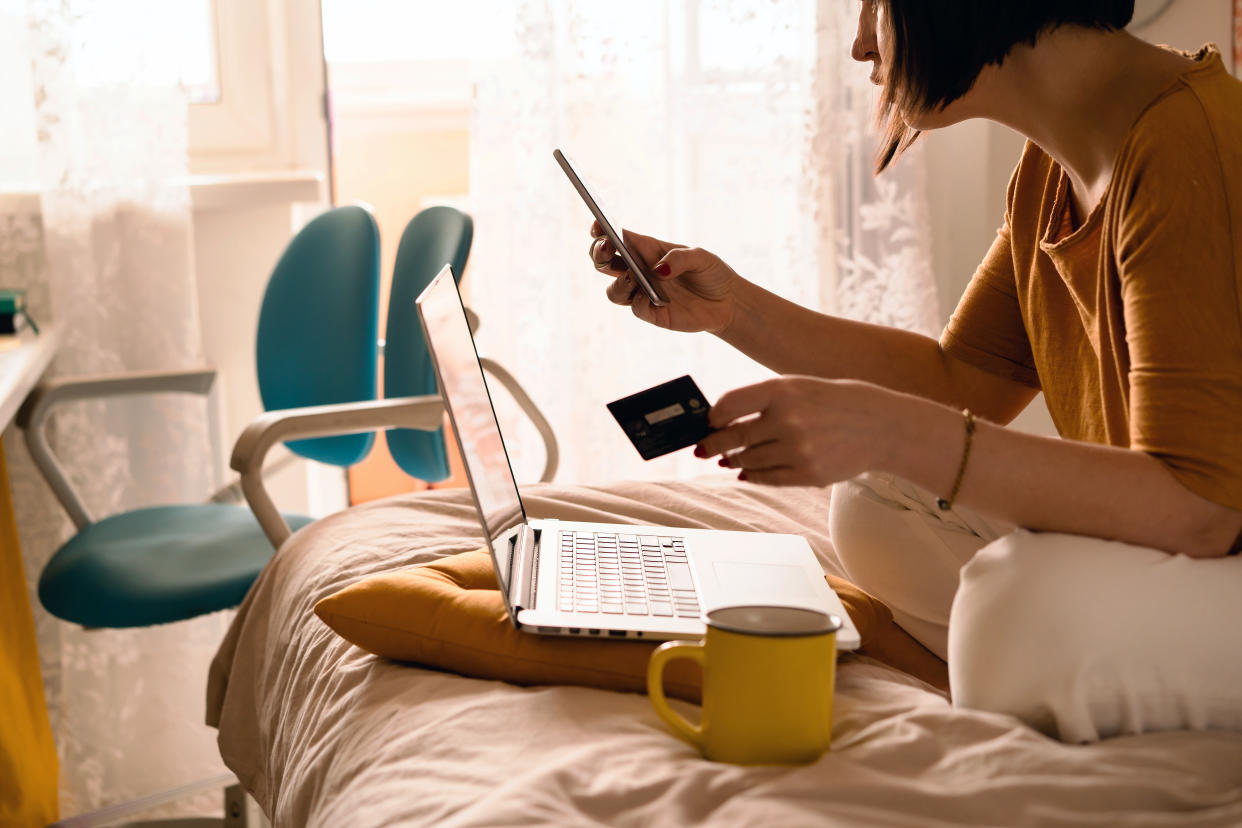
(209, 192)
(19, 201)
(216, 192)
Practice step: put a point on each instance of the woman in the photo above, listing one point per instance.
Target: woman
(1082, 583)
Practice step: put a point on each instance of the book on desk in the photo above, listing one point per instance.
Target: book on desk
(16, 326)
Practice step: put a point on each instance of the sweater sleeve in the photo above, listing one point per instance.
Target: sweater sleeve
(986, 329)
(1178, 260)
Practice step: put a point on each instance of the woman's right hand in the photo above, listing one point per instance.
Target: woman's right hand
(699, 286)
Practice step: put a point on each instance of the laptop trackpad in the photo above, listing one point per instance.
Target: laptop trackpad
(739, 583)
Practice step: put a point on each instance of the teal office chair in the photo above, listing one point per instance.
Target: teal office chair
(435, 237)
(318, 327)
(315, 346)
(411, 409)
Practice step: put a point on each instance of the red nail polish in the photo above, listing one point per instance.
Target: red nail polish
(724, 463)
(663, 269)
(741, 475)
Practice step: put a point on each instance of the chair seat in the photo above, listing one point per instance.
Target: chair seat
(157, 565)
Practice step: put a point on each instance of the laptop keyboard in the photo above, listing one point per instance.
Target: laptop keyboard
(617, 574)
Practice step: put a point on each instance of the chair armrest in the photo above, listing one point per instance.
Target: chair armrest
(551, 447)
(33, 414)
(250, 450)
(53, 392)
(232, 492)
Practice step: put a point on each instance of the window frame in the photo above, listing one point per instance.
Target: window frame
(271, 113)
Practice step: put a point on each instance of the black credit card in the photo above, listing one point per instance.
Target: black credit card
(670, 416)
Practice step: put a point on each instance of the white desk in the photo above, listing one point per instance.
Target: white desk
(20, 370)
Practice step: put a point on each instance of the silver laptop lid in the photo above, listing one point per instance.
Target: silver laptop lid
(469, 404)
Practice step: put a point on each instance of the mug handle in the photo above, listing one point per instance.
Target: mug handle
(663, 654)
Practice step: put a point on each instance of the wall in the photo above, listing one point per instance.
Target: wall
(397, 150)
(248, 201)
(397, 172)
(241, 226)
(969, 166)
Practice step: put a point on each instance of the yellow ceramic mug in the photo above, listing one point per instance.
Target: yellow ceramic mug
(768, 676)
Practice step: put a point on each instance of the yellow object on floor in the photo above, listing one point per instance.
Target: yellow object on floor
(28, 765)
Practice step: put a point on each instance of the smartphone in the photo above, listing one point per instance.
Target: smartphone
(643, 277)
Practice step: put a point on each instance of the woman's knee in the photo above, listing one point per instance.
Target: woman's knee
(1023, 625)
(1065, 633)
(900, 554)
(876, 543)
(850, 520)
(872, 534)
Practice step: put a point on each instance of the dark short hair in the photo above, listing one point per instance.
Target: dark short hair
(939, 49)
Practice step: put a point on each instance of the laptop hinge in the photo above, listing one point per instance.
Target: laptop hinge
(526, 568)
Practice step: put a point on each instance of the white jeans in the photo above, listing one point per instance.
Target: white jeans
(1079, 637)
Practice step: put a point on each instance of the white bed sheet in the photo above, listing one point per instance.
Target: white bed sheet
(323, 734)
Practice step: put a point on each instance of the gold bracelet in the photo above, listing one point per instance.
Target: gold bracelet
(946, 503)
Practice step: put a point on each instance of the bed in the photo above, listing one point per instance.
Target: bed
(324, 734)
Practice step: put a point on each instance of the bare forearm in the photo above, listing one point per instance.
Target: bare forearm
(1054, 485)
(791, 339)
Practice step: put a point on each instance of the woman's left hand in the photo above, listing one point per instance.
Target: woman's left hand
(801, 431)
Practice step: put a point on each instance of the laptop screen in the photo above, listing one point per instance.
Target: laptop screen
(470, 410)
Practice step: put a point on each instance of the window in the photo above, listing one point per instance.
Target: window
(368, 31)
(237, 126)
(226, 55)
(178, 46)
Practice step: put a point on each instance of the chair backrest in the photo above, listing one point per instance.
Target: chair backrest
(435, 237)
(318, 330)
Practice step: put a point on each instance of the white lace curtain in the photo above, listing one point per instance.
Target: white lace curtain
(735, 126)
(739, 127)
(102, 241)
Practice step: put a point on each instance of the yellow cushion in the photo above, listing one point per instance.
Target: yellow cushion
(450, 615)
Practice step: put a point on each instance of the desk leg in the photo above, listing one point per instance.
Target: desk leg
(28, 765)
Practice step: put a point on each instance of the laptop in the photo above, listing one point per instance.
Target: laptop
(603, 580)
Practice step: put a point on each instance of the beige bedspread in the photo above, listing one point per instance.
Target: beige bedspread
(323, 734)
